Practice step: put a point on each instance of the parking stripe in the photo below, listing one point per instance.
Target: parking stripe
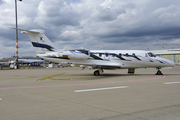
(171, 82)
(109, 88)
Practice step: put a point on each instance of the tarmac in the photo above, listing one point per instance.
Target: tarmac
(75, 94)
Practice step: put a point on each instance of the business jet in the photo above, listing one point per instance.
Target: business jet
(95, 59)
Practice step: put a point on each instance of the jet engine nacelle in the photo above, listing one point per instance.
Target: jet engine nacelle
(73, 55)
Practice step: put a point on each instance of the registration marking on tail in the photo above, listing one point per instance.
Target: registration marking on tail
(109, 88)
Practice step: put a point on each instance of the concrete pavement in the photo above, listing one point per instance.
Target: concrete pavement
(51, 94)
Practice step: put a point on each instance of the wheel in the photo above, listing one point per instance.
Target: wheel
(96, 73)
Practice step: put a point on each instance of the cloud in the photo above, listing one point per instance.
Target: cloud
(56, 13)
(94, 24)
(107, 11)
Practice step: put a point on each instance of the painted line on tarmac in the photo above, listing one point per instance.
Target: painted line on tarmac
(51, 76)
(31, 76)
(59, 79)
(146, 79)
(168, 83)
(109, 88)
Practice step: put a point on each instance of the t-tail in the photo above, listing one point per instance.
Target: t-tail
(39, 41)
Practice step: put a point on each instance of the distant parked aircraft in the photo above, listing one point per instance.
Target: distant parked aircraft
(4, 63)
(32, 62)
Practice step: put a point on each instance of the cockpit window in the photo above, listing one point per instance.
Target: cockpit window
(151, 54)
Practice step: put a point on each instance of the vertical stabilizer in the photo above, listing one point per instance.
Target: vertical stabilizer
(39, 41)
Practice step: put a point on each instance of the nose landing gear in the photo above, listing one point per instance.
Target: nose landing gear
(159, 72)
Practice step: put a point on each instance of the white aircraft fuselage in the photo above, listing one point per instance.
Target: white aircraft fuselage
(108, 59)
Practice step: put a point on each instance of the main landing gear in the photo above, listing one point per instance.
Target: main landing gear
(159, 72)
(98, 72)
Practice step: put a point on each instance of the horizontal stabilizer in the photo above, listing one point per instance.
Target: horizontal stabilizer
(25, 30)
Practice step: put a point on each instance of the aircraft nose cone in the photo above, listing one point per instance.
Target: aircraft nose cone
(169, 63)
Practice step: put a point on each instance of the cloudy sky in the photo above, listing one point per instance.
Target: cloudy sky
(92, 24)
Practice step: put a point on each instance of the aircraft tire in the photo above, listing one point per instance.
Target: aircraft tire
(96, 73)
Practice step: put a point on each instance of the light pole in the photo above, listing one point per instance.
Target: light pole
(16, 61)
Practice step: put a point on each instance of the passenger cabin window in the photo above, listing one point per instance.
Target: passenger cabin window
(100, 54)
(151, 54)
(106, 54)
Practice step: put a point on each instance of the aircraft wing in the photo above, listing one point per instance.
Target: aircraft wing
(96, 66)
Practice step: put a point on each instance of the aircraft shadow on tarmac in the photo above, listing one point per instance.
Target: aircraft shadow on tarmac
(87, 76)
